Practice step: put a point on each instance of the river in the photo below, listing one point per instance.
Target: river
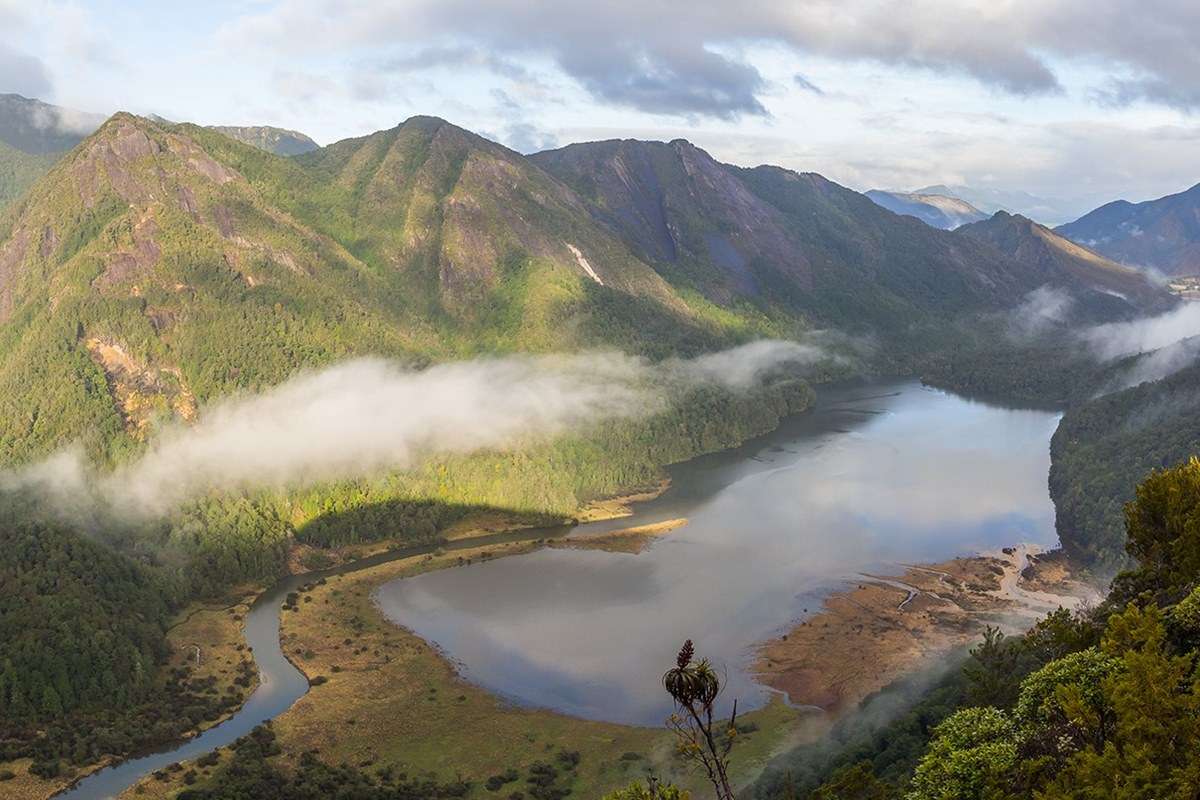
(875, 475)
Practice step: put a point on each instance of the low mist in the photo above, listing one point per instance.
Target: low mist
(1166, 344)
(1042, 310)
(366, 416)
(1156, 346)
(1117, 339)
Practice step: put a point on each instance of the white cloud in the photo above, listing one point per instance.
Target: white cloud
(669, 57)
(1117, 339)
(366, 416)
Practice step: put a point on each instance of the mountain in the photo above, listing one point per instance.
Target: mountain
(1162, 234)
(158, 267)
(18, 171)
(787, 242)
(279, 141)
(938, 210)
(38, 128)
(33, 135)
(1063, 263)
(989, 200)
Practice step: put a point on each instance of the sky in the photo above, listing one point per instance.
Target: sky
(1077, 101)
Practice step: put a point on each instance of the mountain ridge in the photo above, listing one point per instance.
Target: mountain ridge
(796, 242)
(1161, 234)
(280, 141)
(160, 266)
(1060, 259)
(939, 210)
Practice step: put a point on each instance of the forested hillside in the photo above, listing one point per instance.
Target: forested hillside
(799, 244)
(1101, 450)
(159, 268)
(1101, 703)
(18, 171)
(33, 136)
(1161, 234)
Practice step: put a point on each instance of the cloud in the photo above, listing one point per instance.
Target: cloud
(673, 57)
(64, 120)
(1118, 339)
(22, 74)
(455, 56)
(807, 85)
(1163, 345)
(1161, 363)
(526, 138)
(366, 416)
(1042, 309)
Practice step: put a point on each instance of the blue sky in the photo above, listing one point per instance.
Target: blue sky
(1080, 101)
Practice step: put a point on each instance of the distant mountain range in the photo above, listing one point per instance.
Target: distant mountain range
(173, 264)
(33, 135)
(1040, 248)
(938, 210)
(279, 141)
(989, 200)
(1162, 234)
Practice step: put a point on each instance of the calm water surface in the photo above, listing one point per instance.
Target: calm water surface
(874, 477)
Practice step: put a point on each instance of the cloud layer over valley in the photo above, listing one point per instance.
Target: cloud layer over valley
(365, 416)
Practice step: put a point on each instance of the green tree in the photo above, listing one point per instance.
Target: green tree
(652, 790)
(1162, 524)
(1074, 681)
(857, 782)
(1154, 746)
(971, 754)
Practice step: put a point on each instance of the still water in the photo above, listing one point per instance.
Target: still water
(876, 476)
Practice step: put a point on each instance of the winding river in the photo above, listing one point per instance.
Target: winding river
(876, 475)
(280, 683)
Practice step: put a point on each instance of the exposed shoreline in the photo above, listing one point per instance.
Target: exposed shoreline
(883, 627)
(632, 540)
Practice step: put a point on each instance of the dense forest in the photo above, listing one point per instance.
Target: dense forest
(82, 669)
(82, 665)
(1104, 447)
(1101, 703)
(158, 268)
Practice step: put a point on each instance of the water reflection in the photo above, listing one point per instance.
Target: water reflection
(875, 476)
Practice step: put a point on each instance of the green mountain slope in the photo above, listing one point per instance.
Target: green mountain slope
(158, 267)
(1061, 262)
(19, 171)
(1103, 448)
(791, 243)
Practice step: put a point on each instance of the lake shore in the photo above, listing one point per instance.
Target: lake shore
(383, 696)
(632, 540)
(882, 627)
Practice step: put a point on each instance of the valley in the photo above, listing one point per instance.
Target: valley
(466, 442)
(348, 666)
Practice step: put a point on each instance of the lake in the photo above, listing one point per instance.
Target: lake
(875, 476)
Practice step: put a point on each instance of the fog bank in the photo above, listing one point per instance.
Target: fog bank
(370, 415)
